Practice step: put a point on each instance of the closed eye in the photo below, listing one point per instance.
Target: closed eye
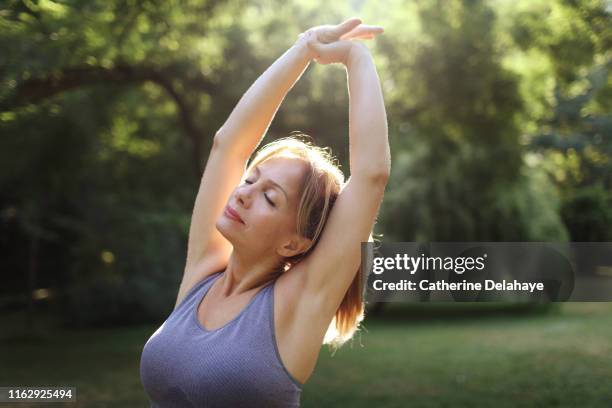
(265, 195)
(269, 201)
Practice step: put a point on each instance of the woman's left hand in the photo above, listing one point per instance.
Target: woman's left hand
(332, 43)
(351, 29)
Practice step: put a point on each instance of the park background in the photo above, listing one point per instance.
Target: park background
(500, 125)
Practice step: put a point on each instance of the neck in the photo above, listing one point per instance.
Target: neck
(244, 273)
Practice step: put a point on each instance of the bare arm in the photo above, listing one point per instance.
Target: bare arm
(248, 122)
(332, 265)
(369, 145)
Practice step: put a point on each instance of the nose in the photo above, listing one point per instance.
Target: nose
(244, 195)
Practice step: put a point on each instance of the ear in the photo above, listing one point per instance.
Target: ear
(294, 246)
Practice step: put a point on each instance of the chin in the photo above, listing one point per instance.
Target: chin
(226, 229)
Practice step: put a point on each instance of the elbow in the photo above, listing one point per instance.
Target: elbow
(379, 171)
(219, 138)
(382, 172)
(222, 142)
(378, 176)
(381, 176)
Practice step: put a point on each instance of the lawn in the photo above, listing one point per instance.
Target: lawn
(560, 359)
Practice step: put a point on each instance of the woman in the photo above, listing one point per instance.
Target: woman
(272, 262)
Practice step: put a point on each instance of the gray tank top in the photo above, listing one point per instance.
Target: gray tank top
(237, 365)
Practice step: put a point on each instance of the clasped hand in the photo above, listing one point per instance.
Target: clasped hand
(329, 44)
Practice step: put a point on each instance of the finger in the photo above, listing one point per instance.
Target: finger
(364, 36)
(326, 47)
(346, 26)
(363, 31)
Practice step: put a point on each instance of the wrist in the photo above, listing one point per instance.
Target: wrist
(302, 48)
(358, 52)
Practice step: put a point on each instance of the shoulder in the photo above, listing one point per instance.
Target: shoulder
(197, 276)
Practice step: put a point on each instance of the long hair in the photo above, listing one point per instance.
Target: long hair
(320, 188)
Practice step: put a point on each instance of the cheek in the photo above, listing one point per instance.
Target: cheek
(270, 224)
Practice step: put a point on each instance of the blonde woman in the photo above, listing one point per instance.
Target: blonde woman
(273, 256)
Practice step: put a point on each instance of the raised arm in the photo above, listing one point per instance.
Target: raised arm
(369, 153)
(333, 263)
(233, 143)
(248, 122)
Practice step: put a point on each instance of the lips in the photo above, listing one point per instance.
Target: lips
(231, 213)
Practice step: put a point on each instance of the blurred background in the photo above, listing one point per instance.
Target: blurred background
(500, 122)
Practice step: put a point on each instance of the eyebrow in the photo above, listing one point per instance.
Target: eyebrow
(273, 183)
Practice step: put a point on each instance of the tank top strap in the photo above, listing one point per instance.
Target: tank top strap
(269, 307)
(196, 289)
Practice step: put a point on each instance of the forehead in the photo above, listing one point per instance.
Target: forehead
(286, 171)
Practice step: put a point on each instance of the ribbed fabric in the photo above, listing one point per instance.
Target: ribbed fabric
(236, 365)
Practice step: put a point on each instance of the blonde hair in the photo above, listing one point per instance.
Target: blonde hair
(320, 188)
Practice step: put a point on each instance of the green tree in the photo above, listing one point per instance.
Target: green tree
(572, 132)
(460, 175)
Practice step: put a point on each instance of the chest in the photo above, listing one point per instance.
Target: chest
(215, 312)
(208, 370)
(287, 322)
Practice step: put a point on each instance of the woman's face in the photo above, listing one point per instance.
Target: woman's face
(266, 203)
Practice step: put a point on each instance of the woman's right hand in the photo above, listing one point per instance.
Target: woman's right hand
(351, 29)
(333, 44)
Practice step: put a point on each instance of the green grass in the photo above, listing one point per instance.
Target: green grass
(533, 361)
(561, 359)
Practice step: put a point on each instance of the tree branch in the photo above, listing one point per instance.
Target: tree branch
(37, 89)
